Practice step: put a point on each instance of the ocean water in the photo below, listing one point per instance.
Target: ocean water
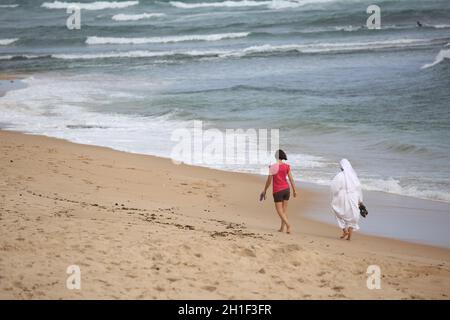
(138, 70)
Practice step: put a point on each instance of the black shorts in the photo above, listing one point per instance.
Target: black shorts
(282, 195)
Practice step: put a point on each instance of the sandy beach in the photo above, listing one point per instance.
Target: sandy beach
(140, 227)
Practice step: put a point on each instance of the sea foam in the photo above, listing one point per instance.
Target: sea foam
(169, 39)
(274, 4)
(57, 107)
(243, 3)
(98, 5)
(325, 47)
(266, 49)
(442, 55)
(441, 26)
(5, 42)
(136, 17)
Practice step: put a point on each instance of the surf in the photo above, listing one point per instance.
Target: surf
(274, 4)
(5, 42)
(98, 5)
(168, 39)
(136, 17)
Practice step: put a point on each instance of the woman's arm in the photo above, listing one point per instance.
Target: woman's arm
(268, 182)
(291, 180)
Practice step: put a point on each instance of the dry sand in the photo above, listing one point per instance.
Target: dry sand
(141, 227)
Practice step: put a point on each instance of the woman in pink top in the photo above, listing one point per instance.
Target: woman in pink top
(281, 190)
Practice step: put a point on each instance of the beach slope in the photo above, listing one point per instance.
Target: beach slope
(140, 227)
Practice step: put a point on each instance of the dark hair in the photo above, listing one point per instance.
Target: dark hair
(280, 155)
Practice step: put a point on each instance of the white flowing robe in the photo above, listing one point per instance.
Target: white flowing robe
(347, 194)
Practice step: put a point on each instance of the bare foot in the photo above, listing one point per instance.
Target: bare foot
(288, 231)
(349, 234)
(344, 234)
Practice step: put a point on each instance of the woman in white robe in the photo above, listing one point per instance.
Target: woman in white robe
(347, 195)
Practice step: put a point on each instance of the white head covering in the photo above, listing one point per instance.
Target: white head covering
(352, 183)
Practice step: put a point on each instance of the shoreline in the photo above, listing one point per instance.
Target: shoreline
(141, 227)
(95, 206)
(322, 213)
(10, 82)
(19, 84)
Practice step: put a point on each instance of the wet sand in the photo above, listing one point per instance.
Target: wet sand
(10, 82)
(394, 216)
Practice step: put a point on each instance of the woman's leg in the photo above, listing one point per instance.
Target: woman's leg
(281, 227)
(281, 214)
(350, 231)
(285, 205)
(344, 233)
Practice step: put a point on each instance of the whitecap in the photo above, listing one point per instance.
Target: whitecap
(394, 186)
(442, 55)
(441, 26)
(243, 3)
(267, 49)
(274, 4)
(136, 17)
(97, 5)
(168, 39)
(5, 42)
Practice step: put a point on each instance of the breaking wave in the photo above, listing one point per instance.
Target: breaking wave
(169, 39)
(442, 56)
(98, 5)
(266, 49)
(274, 4)
(5, 42)
(136, 17)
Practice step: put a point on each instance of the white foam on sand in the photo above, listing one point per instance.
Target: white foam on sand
(97, 5)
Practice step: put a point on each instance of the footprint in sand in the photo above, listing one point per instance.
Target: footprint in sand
(338, 288)
(248, 253)
(209, 288)
(289, 248)
(337, 295)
